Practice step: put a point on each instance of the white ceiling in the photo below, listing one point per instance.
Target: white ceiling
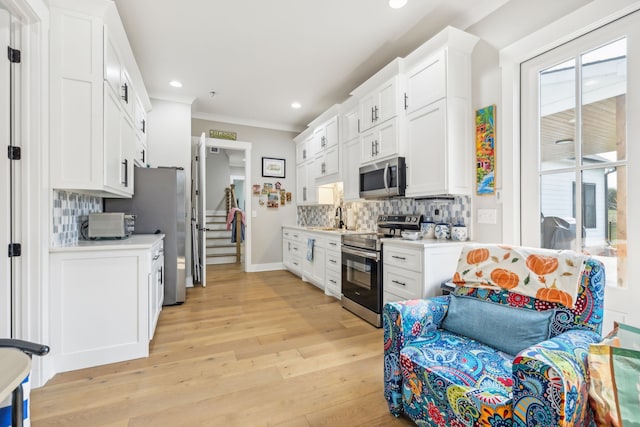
(261, 55)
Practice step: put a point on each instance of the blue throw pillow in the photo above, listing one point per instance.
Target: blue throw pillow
(505, 328)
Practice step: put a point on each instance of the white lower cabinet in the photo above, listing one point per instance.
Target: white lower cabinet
(105, 301)
(414, 270)
(313, 266)
(324, 268)
(292, 250)
(333, 267)
(156, 286)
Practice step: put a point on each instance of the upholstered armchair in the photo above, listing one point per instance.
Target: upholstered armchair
(507, 348)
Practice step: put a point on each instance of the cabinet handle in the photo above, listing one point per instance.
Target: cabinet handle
(304, 154)
(358, 125)
(333, 261)
(295, 263)
(323, 142)
(156, 257)
(399, 283)
(333, 244)
(373, 117)
(398, 257)
(125, 93)
(324, 168)
(304, 194)
(406, 99)
(143, 154)
(295, 235)
(125, 164)
(376, 116)
(333, 281)
(161, 270)
(144, 126)
(373, 153)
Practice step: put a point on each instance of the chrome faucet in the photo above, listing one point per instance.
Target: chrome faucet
(338, 223)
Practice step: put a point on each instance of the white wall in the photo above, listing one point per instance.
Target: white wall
(218, 172)
(169, 144)
(266, 233)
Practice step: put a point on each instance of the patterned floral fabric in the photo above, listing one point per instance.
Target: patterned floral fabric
(545, 274)
(438, 378)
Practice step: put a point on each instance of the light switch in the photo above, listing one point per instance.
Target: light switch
(487, 216)
(254, 214)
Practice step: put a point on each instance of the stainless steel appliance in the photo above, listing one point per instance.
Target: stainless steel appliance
(159, 205)
(386, 178)
(110, 225)
(362, 266)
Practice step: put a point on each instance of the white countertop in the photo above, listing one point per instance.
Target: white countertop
(135, 241)
(425, 243)
(327, 230)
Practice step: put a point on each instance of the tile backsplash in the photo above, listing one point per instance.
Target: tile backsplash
(69, 211)
(452, 211)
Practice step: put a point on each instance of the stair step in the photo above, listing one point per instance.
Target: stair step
(222, 245)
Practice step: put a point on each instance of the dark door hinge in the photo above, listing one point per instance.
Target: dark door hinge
(14, 153)
(15, 249)
(13, 54)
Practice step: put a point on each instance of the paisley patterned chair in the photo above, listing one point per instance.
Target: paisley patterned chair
(487, 355)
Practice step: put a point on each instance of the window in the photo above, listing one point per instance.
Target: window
(574, 136)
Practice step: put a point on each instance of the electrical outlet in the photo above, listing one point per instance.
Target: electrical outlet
(487, 216)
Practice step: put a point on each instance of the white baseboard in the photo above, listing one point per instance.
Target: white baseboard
(253, 268)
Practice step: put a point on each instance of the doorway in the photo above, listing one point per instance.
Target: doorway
(221, 174)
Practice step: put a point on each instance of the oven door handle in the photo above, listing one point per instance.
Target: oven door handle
(364, 254)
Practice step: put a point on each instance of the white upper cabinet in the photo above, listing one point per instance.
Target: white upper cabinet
(438, 121)
(94, 129)
(378, 109)
(426, 82)
(328, 158)
(379, 105)
(350, 124)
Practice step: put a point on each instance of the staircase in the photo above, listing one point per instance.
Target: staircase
(220, 250)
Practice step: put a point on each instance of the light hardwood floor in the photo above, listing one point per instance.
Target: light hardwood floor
(250, 349)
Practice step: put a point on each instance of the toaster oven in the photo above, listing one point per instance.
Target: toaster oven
(110, 225)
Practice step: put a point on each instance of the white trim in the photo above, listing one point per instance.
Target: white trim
(274, 266)
(33, 195)
(246, 146)
(244, 122)
(569, 27)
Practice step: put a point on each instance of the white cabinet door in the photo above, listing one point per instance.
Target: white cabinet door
(426, 82)
(302, 152)
(426, 136)
(387, 101)
(112, 65)
(350, 126)
(350, 170)
(119, 145)
(380, 142)
(331, 133)
(301, 184)
(380, 105)
(113, 168)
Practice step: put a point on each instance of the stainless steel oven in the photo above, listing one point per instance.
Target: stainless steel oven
(362, 277)
(362, 265)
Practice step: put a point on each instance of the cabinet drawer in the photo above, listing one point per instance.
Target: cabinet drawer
(333, 245)
(406, 258)
(333, 285)
(404, 283)
(334, 260)
(296, 249)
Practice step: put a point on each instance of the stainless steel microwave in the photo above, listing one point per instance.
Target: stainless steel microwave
(386, 178)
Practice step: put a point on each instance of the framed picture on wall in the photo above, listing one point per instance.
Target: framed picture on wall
(274, 168)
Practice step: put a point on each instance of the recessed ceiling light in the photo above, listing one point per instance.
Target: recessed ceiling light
(296, 105)
(397, 4)
(175, 83)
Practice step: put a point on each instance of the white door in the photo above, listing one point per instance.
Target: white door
(5, 179)
(579, 102)
(202, 207)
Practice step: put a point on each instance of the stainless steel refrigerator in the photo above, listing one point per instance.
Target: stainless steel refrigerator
(159, 206)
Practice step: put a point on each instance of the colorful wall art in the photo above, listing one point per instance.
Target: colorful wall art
(486, 150)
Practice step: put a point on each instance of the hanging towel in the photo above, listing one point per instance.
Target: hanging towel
(233, 230)
(231, 215)
(310, 243)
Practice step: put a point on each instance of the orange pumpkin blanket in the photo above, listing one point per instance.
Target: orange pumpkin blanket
(546, 274)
